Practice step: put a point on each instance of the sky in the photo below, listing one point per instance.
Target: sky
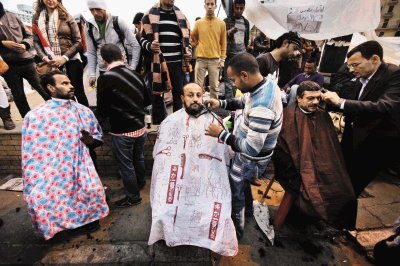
(127, 9)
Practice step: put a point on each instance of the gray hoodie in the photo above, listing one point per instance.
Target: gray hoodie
(111, 36)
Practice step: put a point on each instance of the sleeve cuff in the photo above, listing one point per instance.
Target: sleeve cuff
(222, 104)
(224, 135)
(66, 57)
(341, 104)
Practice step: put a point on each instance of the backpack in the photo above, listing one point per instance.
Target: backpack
(117, 29)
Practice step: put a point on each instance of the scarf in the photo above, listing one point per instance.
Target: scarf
(151, 21)
(50, 34)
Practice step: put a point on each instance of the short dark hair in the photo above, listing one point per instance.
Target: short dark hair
(239, 2)
(311, 60)
(307, 86)
(291, 37)
(215, 2)
(110, 53)
(48, 79)
(138, 18)
(367, 50)
(244, 62)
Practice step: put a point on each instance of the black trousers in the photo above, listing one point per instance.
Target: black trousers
(177, 76)
(14, 78)
(74, 70)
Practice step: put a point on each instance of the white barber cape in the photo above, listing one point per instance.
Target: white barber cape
(190, 194)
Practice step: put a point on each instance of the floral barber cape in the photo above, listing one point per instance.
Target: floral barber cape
(190, 194)
(61, 185)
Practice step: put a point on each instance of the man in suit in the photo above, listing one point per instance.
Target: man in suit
(371, 138)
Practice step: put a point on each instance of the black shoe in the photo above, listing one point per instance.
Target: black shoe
(92, 227)
(126, 202)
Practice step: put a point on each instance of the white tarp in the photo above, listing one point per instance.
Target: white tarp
(190, 194)
(313, 19)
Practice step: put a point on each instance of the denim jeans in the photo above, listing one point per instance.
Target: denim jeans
(129, 153)
(241, 173)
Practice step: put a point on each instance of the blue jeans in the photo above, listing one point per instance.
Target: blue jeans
(230, 90)
(129, 153)
(241, 173)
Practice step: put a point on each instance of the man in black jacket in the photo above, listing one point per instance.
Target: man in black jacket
(238, 30)
(122, 96)
(371, 137)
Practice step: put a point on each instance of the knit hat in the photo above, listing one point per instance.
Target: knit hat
(100, 4)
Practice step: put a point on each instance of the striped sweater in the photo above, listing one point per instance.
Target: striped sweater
(258, 131)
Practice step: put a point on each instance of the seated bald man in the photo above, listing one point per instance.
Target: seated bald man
(190, 194)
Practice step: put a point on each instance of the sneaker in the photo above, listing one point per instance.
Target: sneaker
(126, 202)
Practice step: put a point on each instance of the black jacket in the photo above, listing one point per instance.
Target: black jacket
(122, 96)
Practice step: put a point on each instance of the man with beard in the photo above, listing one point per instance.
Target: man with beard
(190, 194)
(257, 132)
(121, 97)
(56, 137)
(309, 164)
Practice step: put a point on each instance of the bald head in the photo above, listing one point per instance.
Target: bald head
(192, 98)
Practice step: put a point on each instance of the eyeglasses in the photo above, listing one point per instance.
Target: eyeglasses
(354, 65)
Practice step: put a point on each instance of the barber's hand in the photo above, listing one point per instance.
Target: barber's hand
(87, 138)
(214, 103)
(46, 59)
(214, 130)
(58, 61)
(92, 81)
(221, 64)
(155, 46)
(331, 97)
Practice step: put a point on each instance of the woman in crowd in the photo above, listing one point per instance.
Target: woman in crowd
(59, 28)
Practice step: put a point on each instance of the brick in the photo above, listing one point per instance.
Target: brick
(6, 148)
(13, 152)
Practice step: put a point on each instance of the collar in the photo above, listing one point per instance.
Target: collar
(252, 90)
(304, 111)
(364, 81)
(114, 64)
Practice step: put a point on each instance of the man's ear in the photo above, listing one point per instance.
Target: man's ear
(375, 58)
(245, 75)
(51, 88)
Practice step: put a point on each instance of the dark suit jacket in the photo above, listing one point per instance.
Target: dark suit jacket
(377, 113)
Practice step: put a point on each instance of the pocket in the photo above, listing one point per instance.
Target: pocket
(252, 168)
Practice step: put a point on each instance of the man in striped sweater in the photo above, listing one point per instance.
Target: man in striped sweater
(170, 41)
(257, 133)
(122, 96)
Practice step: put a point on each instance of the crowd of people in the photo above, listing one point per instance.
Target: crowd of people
(202, 169)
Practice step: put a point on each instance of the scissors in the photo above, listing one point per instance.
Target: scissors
(165, 151)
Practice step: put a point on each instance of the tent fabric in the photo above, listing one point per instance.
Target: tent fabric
(313, 19)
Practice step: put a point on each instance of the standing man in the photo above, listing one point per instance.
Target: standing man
(286, 45)
(121, 97)
(166, 35)
(238, 29)
(257, 132)
(309, 164)
(209, 38)
(61, 185)
(371, 137)
(105, 28)
(15, 43)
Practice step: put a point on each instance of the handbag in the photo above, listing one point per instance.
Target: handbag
(42, 68)
(3, 66)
